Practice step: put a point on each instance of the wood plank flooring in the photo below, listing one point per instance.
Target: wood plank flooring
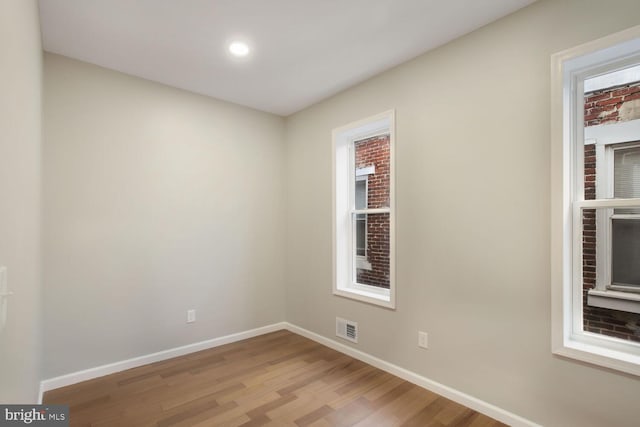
(277, 379)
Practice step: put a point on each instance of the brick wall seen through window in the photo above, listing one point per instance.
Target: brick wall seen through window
(604, 107)
(376, 152)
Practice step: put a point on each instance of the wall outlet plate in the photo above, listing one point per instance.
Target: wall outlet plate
(423, 339)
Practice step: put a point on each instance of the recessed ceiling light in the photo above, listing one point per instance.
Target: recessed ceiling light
(239, 49)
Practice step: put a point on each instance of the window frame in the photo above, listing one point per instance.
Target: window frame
(569, 69)
(344, 177)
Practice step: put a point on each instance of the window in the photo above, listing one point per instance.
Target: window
(596, 202)
(617, 230)
(363, 211)
(625, 222)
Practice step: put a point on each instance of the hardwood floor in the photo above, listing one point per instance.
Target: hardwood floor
(277, 379)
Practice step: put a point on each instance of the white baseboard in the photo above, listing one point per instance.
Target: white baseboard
(441, 389)
(87, 374)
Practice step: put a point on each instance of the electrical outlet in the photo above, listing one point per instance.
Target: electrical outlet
(423, 339)
(191, 316)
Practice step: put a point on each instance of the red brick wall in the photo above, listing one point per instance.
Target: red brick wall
(375, 152)
(602, 107)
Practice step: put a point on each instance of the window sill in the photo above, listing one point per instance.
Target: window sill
(615, 300)
(375, 296)
(598, 354)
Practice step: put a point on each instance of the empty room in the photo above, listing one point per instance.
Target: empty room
(320, 213)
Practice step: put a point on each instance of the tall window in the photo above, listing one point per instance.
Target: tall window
(596, 202)
(363, 218)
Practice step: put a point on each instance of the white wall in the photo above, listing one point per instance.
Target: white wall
(20, 130)
(156, 201)
(473, 222)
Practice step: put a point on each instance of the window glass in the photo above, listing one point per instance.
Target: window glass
(361, 235)
(619, 273)
(627, 176)
(625, 252)
(377, 253)
(373, 154)
(361, 193)
(611, 236)
(372, 191)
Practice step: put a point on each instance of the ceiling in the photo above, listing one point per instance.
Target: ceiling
(302, 51)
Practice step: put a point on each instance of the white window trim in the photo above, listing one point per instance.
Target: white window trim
(343, 175)
(569, 69)
(607, 139)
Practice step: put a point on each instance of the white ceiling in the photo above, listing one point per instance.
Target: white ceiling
(302, 50)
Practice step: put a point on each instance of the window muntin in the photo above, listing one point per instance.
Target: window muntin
(363, 203)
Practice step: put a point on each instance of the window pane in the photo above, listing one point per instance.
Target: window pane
(610, 256)
(372, 158)
(589, 240)
(627, 176)
(361, 239)
(361, 194)
(373, 265)
(590, 171)
(625, 251)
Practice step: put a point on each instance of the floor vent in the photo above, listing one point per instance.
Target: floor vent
(347, 329)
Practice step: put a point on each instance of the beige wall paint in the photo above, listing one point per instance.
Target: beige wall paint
(473, 225)
(156, 201)
(20, 136)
